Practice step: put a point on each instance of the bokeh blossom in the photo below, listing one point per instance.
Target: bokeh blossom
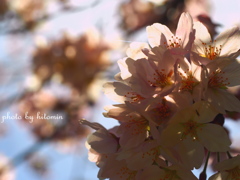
(137, 14)
(64, 85)
(6, 169)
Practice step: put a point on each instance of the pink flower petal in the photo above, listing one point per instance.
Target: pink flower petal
(201, 36)
(230, 41)
(214, 138)
(184, 29)
(158, 34)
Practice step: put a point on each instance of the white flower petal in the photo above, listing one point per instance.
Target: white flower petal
(220, 176)
(201, 36)
(204, 112)
(135, 50)
(132, 134)
(103, 142)
(126, 67)
(158, 34)
(121, 113)
(191, 152)
(229, 40)
(228, 164)
(93, 125)
(166, 62)
(185, 28)
(222, 100)
(183, 116)
(116, 91)
(172, 135)
(232, 74)
(199, 60)
(214, 138)
(152, 172)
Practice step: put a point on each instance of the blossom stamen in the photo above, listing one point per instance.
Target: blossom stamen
(161, 79)
(133, 97)
(217, 80)
(139, 126)
(124, 171)
(190, 128)
(188, 83)
(163, 111)
(211, 52)
(175, 42)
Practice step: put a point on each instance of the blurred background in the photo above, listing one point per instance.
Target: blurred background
(55, 55)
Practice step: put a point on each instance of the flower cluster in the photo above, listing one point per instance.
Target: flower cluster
(170, 92)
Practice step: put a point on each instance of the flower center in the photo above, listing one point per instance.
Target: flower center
(133, 97)
(137, 126)
(188, 83)
(163, 111)
(175, 42)
(125, 173)
(211, 52)
(161, 79)
(217, 80)
(190, 128)
(152, 153)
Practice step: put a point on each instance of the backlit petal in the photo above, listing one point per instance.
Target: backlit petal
(158, 34)
(214, 138)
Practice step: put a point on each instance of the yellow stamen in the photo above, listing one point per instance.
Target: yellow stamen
(211, 52)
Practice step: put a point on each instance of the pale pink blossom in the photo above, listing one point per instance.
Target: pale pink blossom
(188, 79)
(220, 75)
(137, 50)
(143, 78)
(114, 169)
(225, 45)
(162, 108)
(133, 128)
(101, 141)
(142, 156)
(180, 43)
(190, 131)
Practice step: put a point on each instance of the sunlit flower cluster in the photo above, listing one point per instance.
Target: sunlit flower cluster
(169, 93)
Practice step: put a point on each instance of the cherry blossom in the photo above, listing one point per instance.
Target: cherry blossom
(159, 34)
(190, 131)
(222, 74)
(225, 45)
